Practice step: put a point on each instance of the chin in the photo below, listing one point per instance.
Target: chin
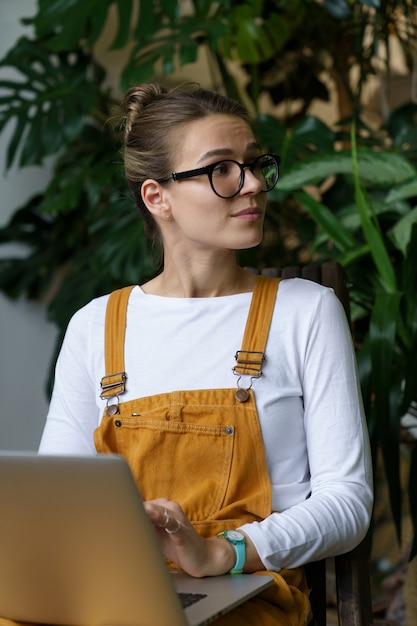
(249, 245)
(252, 242)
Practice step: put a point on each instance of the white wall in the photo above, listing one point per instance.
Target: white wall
(26, 337)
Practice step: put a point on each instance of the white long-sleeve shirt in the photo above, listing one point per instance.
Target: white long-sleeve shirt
(308, 401)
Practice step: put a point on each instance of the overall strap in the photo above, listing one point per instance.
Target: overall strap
(114, 382)
(250, 357)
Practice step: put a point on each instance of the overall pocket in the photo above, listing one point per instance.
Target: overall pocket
(162, 455)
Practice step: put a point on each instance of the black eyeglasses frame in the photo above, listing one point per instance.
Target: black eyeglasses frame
(208, 169)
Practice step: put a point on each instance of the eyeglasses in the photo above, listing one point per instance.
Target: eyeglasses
(228, 177)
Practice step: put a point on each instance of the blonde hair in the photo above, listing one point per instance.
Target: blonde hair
(152, 115)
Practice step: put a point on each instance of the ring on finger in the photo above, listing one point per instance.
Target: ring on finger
(174, 530)
(167, 519)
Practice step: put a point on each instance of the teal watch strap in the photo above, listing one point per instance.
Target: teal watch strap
(237, 539)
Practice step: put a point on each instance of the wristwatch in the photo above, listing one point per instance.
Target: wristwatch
(237, 539)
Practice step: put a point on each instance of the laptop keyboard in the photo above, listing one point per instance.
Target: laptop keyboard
(187, 599)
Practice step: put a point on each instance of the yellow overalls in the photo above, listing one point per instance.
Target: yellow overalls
(205, 450)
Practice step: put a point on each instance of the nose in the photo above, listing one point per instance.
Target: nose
(251, 183)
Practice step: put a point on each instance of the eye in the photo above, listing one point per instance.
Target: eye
(263, 164)
(223, 168)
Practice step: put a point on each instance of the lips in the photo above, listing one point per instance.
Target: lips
(250, 212)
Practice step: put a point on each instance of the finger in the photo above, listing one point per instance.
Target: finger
(163, 518)
(170, 525)
(156, 513)
(167, 519)
(173, 526)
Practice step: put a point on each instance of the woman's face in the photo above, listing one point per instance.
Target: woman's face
(199, 217)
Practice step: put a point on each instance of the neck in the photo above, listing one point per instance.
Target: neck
(222, 277)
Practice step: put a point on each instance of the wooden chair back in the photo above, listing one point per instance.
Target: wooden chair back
(352, 575)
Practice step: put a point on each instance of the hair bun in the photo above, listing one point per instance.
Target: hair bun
(137, 99)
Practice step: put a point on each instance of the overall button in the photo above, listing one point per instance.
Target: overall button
(242, 395)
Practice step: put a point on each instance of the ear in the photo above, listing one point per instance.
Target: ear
(153, 195)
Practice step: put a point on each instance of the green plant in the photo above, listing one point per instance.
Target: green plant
(368, 223)
(357, 205)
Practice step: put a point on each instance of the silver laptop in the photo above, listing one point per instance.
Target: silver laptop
(77, 548)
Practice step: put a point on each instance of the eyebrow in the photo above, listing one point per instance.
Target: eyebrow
(226, 151)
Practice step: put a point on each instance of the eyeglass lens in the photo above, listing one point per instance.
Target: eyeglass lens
(228, 176)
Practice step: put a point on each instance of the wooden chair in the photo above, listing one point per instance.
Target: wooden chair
(353, 586)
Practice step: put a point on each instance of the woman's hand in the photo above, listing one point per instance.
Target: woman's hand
(182, 545)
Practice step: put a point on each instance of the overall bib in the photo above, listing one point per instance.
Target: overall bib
(205, 450)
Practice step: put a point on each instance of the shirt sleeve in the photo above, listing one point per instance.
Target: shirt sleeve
(336, 515)
(73, 412)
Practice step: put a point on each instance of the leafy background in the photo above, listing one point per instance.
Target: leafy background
(348, 189)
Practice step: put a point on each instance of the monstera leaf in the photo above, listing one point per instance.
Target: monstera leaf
(48, 102)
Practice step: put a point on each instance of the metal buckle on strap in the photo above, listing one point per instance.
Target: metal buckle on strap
(113, 385)
(249, 363)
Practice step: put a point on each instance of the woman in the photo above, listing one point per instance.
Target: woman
(215, 446)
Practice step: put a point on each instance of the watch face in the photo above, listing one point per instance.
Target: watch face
(235, 534)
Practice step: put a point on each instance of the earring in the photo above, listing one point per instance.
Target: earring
(168, 216)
